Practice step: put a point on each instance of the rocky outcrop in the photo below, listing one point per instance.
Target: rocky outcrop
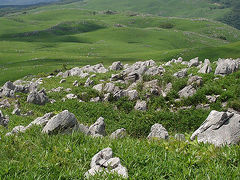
(158, 131)
(39, 98)
(9, 89)
(98, 128)
(61, 123)
(220, 128)
(187, 91)
(206, 68)
(193, 62)
(116, 66)
(104, 162)
(226, 66)
(41, 121)
(181, 74)
(16, 130)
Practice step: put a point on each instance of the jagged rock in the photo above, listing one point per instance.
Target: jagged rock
(96, 99)
(106, 97)
(132, 77)
(71, 96)
(110, 88)
(98, 128)
(226, 66)
(98, 87)
(181, 74)
(158, 131)
(103, 162)
(5, 104)
(152, 87)
(220, 128)
(7, 89)
(83, 129)
(4, 120)
(141, 105)
(193, 62)
(62, 81)
(153, 71)
(75, 83)
(41, 121)
(180, 137)
(132, 86)
(187, 91)
(88, 82)
(212, 99)
(16, 111)
(39, 98)
(132, 94)
(119, 133)
(119, 94)
(206, 68)
(66, 74)
(58, 89)
(63, 122)
(16, 130)
(167, 89)
(195, 80)
(116, 66)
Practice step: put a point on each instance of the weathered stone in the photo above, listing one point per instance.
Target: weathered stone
(39, 98)
(193, 62)
(4, 120)
(111, 88)
(153, 71)
(16, 111)
(181, 74)
(116, 66)
(104, 154)
(98, 87)
(187, 91)
(195, 80)
(16, 130)
(71, 96)
(220, 128)
(98, 128)
(75, 83)
(158, 131)
(141, 105)
(63, 122)
(226, 66)
(41, 121)
(96, 99)
(122, 171)
(212, 99)
(132, 94)
(5, 104)
(119, 133)
(62, 81)
(206, 68)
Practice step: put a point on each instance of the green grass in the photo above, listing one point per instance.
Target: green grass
(33, 155)
(44, 39)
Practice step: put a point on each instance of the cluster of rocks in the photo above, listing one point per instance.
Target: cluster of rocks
(103, 162)
(3, 119)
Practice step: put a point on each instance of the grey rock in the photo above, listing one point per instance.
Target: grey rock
(98, 128)
(96, 99)
(141, 105)
(206, 68)
(68, 90)
(106, 97)
(98, 87)
(116, 66)
(5, 104)
(132, 94)
(181, 74)
(41, 121)
(4, 120)
(110, 88)
(62, 81)
(220, 128)
(16, 111)
(88, 82)
(119, 133)
(75, 83)
(226, 66)
(16, 130)
(187, 91)
(104, 154)
(195, 80)
(158, 131)
(82, 128)
(153, 71)
(39, 98)
(121, 170)
(71, 96)
(63, 122)
(193, 62)
(212, 99)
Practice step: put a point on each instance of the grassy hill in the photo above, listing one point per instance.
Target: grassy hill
(44, 39)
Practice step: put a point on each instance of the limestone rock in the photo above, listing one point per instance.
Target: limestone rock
(187, 91)
(98, 128)
(226, 66)
(158, 131)
(39, 98)
(4, 120)
(181, 74)
(193, 62)
(116, 66)
(220, 128)
(141, 105)
(206, 68)
(119, 133)
(63, 122)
